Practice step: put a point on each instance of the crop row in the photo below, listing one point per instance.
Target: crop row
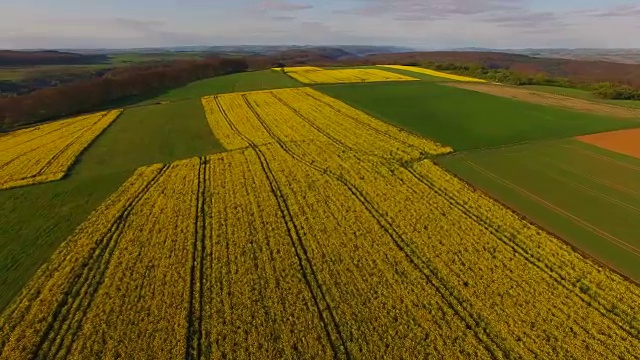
(523, 291)
(306, 115)
(45, 153)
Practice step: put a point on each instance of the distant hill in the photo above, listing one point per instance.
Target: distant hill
(264, 50)
(28, 58)
(575, 70)
(625, 56)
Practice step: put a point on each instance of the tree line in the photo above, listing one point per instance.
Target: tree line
(607, 90)
(117, 85)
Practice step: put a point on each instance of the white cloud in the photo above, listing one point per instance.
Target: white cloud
(417, 23)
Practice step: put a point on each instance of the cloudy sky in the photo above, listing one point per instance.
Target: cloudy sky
(423, 24)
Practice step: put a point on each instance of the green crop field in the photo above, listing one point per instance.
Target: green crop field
(248, 81)
(466, 119)
(586, 195)
(583, 94)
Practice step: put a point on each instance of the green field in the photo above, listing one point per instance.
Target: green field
(36, 219)
(247, 81)
(586, 195)
(583, 94)
(467, 119)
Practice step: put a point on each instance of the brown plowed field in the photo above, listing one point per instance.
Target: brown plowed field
(550, 99)
(624, 141)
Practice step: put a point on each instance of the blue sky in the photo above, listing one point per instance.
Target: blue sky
(423, 24)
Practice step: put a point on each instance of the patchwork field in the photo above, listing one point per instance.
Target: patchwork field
(314, 76)
(307, 240)
(246, 216)
(586, 195)
(45, 153)
(465, 119)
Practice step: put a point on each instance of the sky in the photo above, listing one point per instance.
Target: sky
(420, 24)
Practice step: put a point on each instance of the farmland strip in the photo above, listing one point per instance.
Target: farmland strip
(577, 220)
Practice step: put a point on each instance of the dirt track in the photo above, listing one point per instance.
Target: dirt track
(624, 141)
(549, 99)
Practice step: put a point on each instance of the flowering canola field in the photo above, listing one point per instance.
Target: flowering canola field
(323, 233)
(345, 76)
(45, 153)
(433, 73)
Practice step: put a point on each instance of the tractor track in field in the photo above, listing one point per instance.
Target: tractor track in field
(329, 321)
(72, 309)
(195, 314)
(427, 269)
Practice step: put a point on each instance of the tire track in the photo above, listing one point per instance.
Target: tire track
(322, 132)
(473, 322)
(23, 154)
(605, 158)
(196, 293)
(72, 309)
(56, 156)
(329, 321)
(369, 126)
(596, 179)
(45, 134)
(556, 209)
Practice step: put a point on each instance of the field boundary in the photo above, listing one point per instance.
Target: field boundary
(585, 255)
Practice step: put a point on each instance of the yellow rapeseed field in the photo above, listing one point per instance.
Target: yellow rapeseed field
(309, 115)
(45, 152)
(323, 233)
(434, 73)
(346, 76)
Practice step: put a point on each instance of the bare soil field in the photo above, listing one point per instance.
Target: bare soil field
(549, 99)
(624, 141)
